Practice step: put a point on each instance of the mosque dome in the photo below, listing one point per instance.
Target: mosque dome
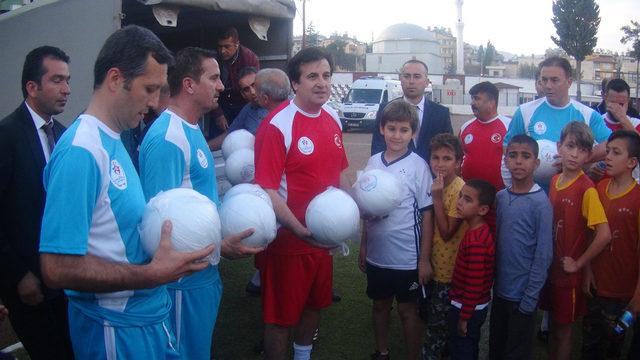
(406, 31)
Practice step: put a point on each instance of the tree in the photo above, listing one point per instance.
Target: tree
(480, 58)
(341, 58)
(312, 35)
(576, 23)
(555, 52)
(632, 35)
(489, 55)
(527, 71)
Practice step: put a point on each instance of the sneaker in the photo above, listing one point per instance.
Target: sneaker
(377, 356)
(252, 289)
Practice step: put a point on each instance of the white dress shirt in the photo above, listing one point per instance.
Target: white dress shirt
(39, 122)
(420, 109)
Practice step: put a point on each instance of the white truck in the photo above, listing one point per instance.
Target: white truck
(80, 27)
(360, 105)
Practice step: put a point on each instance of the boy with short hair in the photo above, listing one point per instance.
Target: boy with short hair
(395, 250)
(445, 160)
(523, 253)
(576, 208)
(470, 292)
(612, 277)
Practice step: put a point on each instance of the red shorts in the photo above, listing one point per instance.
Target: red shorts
(291, 283)
(565, 304)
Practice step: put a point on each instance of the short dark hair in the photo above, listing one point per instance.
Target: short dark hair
(246, 71)
(618, 85)
(582, 133)
(525, 140)
(128, 50)
(631, 138)
(188, 63)
(33, 68)
(305, 56)
(229, 32)
(486, 191)
(400, 111)
(415, 61)
(559, 62)
(449, 141)
(485, 87)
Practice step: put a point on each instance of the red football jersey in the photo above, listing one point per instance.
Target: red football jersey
(300, 155)
(616, 268)
(482, 146)
(575, 206)
(614, 125)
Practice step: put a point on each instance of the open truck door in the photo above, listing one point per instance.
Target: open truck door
(80, 27)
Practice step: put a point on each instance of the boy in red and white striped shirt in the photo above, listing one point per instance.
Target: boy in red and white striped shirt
(470, 292)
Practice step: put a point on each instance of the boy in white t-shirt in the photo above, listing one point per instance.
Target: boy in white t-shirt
(396, 248)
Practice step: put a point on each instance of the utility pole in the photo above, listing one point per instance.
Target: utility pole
(304, 25)
(460, 40)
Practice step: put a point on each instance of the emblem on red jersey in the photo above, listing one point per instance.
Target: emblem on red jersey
(496, 138)
(305, 145)
(337, 140)
(468, 138)
(117, 175)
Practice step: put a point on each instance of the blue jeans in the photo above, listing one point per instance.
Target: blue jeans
(465, 347)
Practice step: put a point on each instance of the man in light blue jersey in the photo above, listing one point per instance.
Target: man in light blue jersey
(175, 154)
(544, 118)
(89, 242)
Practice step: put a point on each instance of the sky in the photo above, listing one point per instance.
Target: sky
(514, 26)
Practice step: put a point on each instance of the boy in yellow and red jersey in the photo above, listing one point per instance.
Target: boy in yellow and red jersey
(576, 208)
(612, 277)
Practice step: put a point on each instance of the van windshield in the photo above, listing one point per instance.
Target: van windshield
(364, 96)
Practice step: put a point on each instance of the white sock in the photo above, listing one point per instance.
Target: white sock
(255, 280)
(302, 352)
(544, 324)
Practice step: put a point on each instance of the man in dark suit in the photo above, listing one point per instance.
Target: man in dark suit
(434, 118)
(37, 314)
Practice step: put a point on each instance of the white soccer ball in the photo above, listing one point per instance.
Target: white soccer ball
(245, 210)
(378, 192)
(239, 167)
(236, 140)
(547, 153)
(252, 189)
(332, 217)
(195, 219)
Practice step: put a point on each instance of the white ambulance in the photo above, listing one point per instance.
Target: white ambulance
(360, 105)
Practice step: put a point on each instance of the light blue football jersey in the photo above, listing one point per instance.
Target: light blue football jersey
(94, 204)
(543, 121)
(175, 154)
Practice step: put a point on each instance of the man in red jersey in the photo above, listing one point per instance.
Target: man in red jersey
(482, 136)
(481, 139)
(299, 153)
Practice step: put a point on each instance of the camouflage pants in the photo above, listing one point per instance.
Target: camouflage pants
(437, 330)
(599, 341)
